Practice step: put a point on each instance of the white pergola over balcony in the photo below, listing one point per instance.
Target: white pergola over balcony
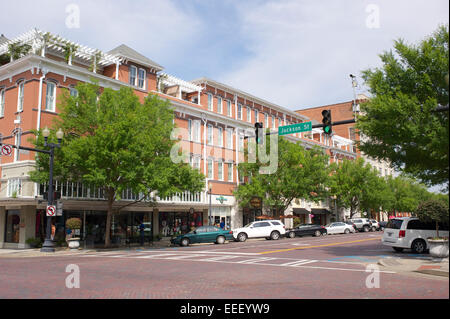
(183, 86)
(40, 41)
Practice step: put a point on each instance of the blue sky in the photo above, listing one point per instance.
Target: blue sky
(294, 53)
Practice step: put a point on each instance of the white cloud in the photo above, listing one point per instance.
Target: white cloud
(304, 51)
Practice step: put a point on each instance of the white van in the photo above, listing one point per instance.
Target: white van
(410, 233)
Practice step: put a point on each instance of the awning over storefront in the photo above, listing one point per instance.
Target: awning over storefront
(320, 211)
(299, 211)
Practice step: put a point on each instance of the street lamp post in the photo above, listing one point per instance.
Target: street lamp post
(209, 211)
(335, 207)
(48, 245)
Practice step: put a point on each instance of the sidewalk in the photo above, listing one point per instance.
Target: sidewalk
(426, 265)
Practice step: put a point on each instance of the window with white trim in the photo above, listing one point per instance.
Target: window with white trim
(14, 187)
(229, 138)
(256, 115)
(20, 96)
(219, 105)
(73, 91)
(210, 102)
(195, 161)
(2, 102)
(241, 143)
(239, 112)
(220, 136)
(273, 122)
(196, 133)
(132, 75)
(228, 107)
(266, 120)
(210, 135)
(210, 168)
(249, 114)
(50, 99)
(141, 78)
(220, 170)
(230, 172)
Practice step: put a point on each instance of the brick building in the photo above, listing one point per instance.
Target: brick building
(215, 116)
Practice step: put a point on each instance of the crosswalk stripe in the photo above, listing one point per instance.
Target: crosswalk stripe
(298, 263)
(255, 260)
(157, 255)
(183, 256)
(218, 258)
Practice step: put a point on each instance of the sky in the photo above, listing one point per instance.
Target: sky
(293, 53)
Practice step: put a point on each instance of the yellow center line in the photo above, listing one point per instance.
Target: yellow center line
(332, 244)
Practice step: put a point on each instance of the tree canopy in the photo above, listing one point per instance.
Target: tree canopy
(115, 142)
(300, 173)
(399, 120)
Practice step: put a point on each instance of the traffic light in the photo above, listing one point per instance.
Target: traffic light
(259, 139)
(327, 128)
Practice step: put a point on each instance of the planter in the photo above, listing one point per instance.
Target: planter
(74, 243)
(438, 248)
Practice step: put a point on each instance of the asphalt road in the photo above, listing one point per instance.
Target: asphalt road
(333, 266)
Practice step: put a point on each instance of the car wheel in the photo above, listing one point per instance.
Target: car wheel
(346, 231)
(398, 249)
(220, 240)
(317, 233)
(374, 229)
(242, 237)
(184, 242)
(291, 234)
(419, 246)
(366, 229)
(275, 235)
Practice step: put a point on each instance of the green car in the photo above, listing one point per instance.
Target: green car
(203, 234)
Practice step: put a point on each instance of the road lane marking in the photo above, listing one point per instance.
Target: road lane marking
(324, 245)
(157, 255)
(218, 258)
(298, 263)
(255, 260)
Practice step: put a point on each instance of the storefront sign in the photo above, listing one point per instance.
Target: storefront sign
(256, 202)
(221, 199)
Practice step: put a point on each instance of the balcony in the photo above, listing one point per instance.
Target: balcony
(83, 191)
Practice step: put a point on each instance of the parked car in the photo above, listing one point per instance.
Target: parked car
(410, 233)
(375, 225)
(382, 224)
(270, 229)
(306, 230)
(339, 228)
(362, 224)
(203, 234)
(353, 225)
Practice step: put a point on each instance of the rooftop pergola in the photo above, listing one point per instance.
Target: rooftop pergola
(40, 41)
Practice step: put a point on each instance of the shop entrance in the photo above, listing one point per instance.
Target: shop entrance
(175, 223)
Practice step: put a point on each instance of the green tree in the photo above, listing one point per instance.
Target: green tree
(116, 143)
(300, 174)
(433, 210)
(356, 186)
(399, 120)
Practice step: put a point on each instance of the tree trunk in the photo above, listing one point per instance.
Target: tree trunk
(108, 219)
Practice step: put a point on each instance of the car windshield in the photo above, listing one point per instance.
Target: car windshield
(327, 225)
(394, 224)
(248, 225)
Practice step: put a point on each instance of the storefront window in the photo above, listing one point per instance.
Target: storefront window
(171, 223)
(12, 226)
(221, 213)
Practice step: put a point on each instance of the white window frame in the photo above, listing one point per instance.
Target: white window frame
(143, 79)
(239, 112)
(230, 170)
(132, 67)
(274, 125)
(195, 161)
(220, 167)
(219, 105)
(220, 136)
(256, 115)
(2, 102)
(20, 96)
(210, 135)
(50, 104)
(241, 143)
(197, 131)
(266, 120)
(210, 164)
(229, 138)
(229, 112)
(249, 114)
(210, 102)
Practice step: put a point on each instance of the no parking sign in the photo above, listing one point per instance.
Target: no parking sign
(6, 150)
(51, 210)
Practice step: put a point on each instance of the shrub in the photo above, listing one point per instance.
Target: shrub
(73, 223)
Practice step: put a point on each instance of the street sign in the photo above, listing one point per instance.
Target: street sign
(6, 150)
(51, 210)
(59, 208)
(295, 128)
